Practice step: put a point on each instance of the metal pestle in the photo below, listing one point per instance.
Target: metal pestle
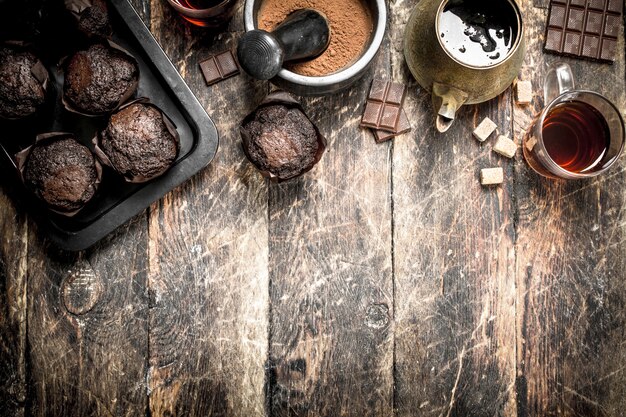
(304, 34)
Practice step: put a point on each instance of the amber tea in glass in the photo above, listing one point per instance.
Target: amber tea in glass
(576, 136)
(205, 13)
(579, 134)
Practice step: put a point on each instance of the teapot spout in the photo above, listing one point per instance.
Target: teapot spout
(446, 101)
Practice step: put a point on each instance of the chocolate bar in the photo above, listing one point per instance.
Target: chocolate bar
(219, 67)
(584, 28)
(384, 106)
(403, 126)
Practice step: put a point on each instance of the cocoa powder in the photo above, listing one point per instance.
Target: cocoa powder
(351, 26)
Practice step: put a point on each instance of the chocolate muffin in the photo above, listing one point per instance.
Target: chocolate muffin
(61, 172)
(281, 141)
(23, 83)
(92, 17)
(99, 79)
(139, 142)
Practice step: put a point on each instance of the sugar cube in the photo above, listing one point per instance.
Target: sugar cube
(524, 92)
(491, 176)
(485, 129)
(505, 147)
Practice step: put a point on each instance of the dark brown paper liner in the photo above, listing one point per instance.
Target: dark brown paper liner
(76, 9)
(137, 179)
(38, 70)
(131, 91)
(287, 100)
(22, 157)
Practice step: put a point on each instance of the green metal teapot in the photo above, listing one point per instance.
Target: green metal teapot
(439, 68)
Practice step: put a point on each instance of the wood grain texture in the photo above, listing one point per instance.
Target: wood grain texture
(13, 296)
(208, 253)
(331, 292)
(570, 266)
(385, 282)
(453, 260)
(87, 326)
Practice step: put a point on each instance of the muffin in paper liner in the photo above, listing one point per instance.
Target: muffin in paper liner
(128, 174)
(71, 106)
(92, 17)
(37, 70)
(284, 99)
(22, 159)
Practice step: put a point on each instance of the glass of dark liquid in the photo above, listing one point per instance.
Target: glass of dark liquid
(580, 134)
(205, 13)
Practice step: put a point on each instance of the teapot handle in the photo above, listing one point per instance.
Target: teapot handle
(447, 100)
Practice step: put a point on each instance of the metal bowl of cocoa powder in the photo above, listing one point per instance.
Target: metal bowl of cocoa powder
(357, 29)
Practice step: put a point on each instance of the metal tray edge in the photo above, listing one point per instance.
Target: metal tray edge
(199, 159)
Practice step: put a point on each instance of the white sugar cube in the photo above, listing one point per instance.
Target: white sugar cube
(491, 176)
(485, 129)
(524, 92)
(505, 147)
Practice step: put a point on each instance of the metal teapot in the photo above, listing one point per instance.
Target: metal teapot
(453, 82)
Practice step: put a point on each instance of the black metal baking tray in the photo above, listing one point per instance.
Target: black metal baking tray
(116, 201)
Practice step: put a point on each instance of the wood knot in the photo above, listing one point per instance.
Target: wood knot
(377, 316)
(81, 290)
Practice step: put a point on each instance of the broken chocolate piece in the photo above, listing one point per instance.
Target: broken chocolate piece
(219, 67)
(384, 106)
(404, 126)
(584, 29)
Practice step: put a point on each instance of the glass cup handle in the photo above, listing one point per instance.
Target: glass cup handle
(559, 80)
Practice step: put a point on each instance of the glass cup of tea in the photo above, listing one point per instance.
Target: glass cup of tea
(205, 13)
(580, 134)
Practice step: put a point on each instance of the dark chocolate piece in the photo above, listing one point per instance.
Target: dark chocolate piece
(384, 106)
(584, 29)
(219, 67)
(404, 126)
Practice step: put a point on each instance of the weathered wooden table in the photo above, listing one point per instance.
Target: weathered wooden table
(385, 282)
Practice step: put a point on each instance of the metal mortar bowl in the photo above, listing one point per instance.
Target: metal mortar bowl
(327, 84)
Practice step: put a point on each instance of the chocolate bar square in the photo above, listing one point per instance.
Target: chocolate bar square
(596, 4)
(403, 126)
(591, 46)
(384, 106)
(219, 67)
(594, 23)
(584, 28)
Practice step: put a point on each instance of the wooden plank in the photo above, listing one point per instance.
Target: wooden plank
(86, 323)
(87, 326)
(331, 347)
(208, 253)
(570, 267)
(13, 250)
(453, 260)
